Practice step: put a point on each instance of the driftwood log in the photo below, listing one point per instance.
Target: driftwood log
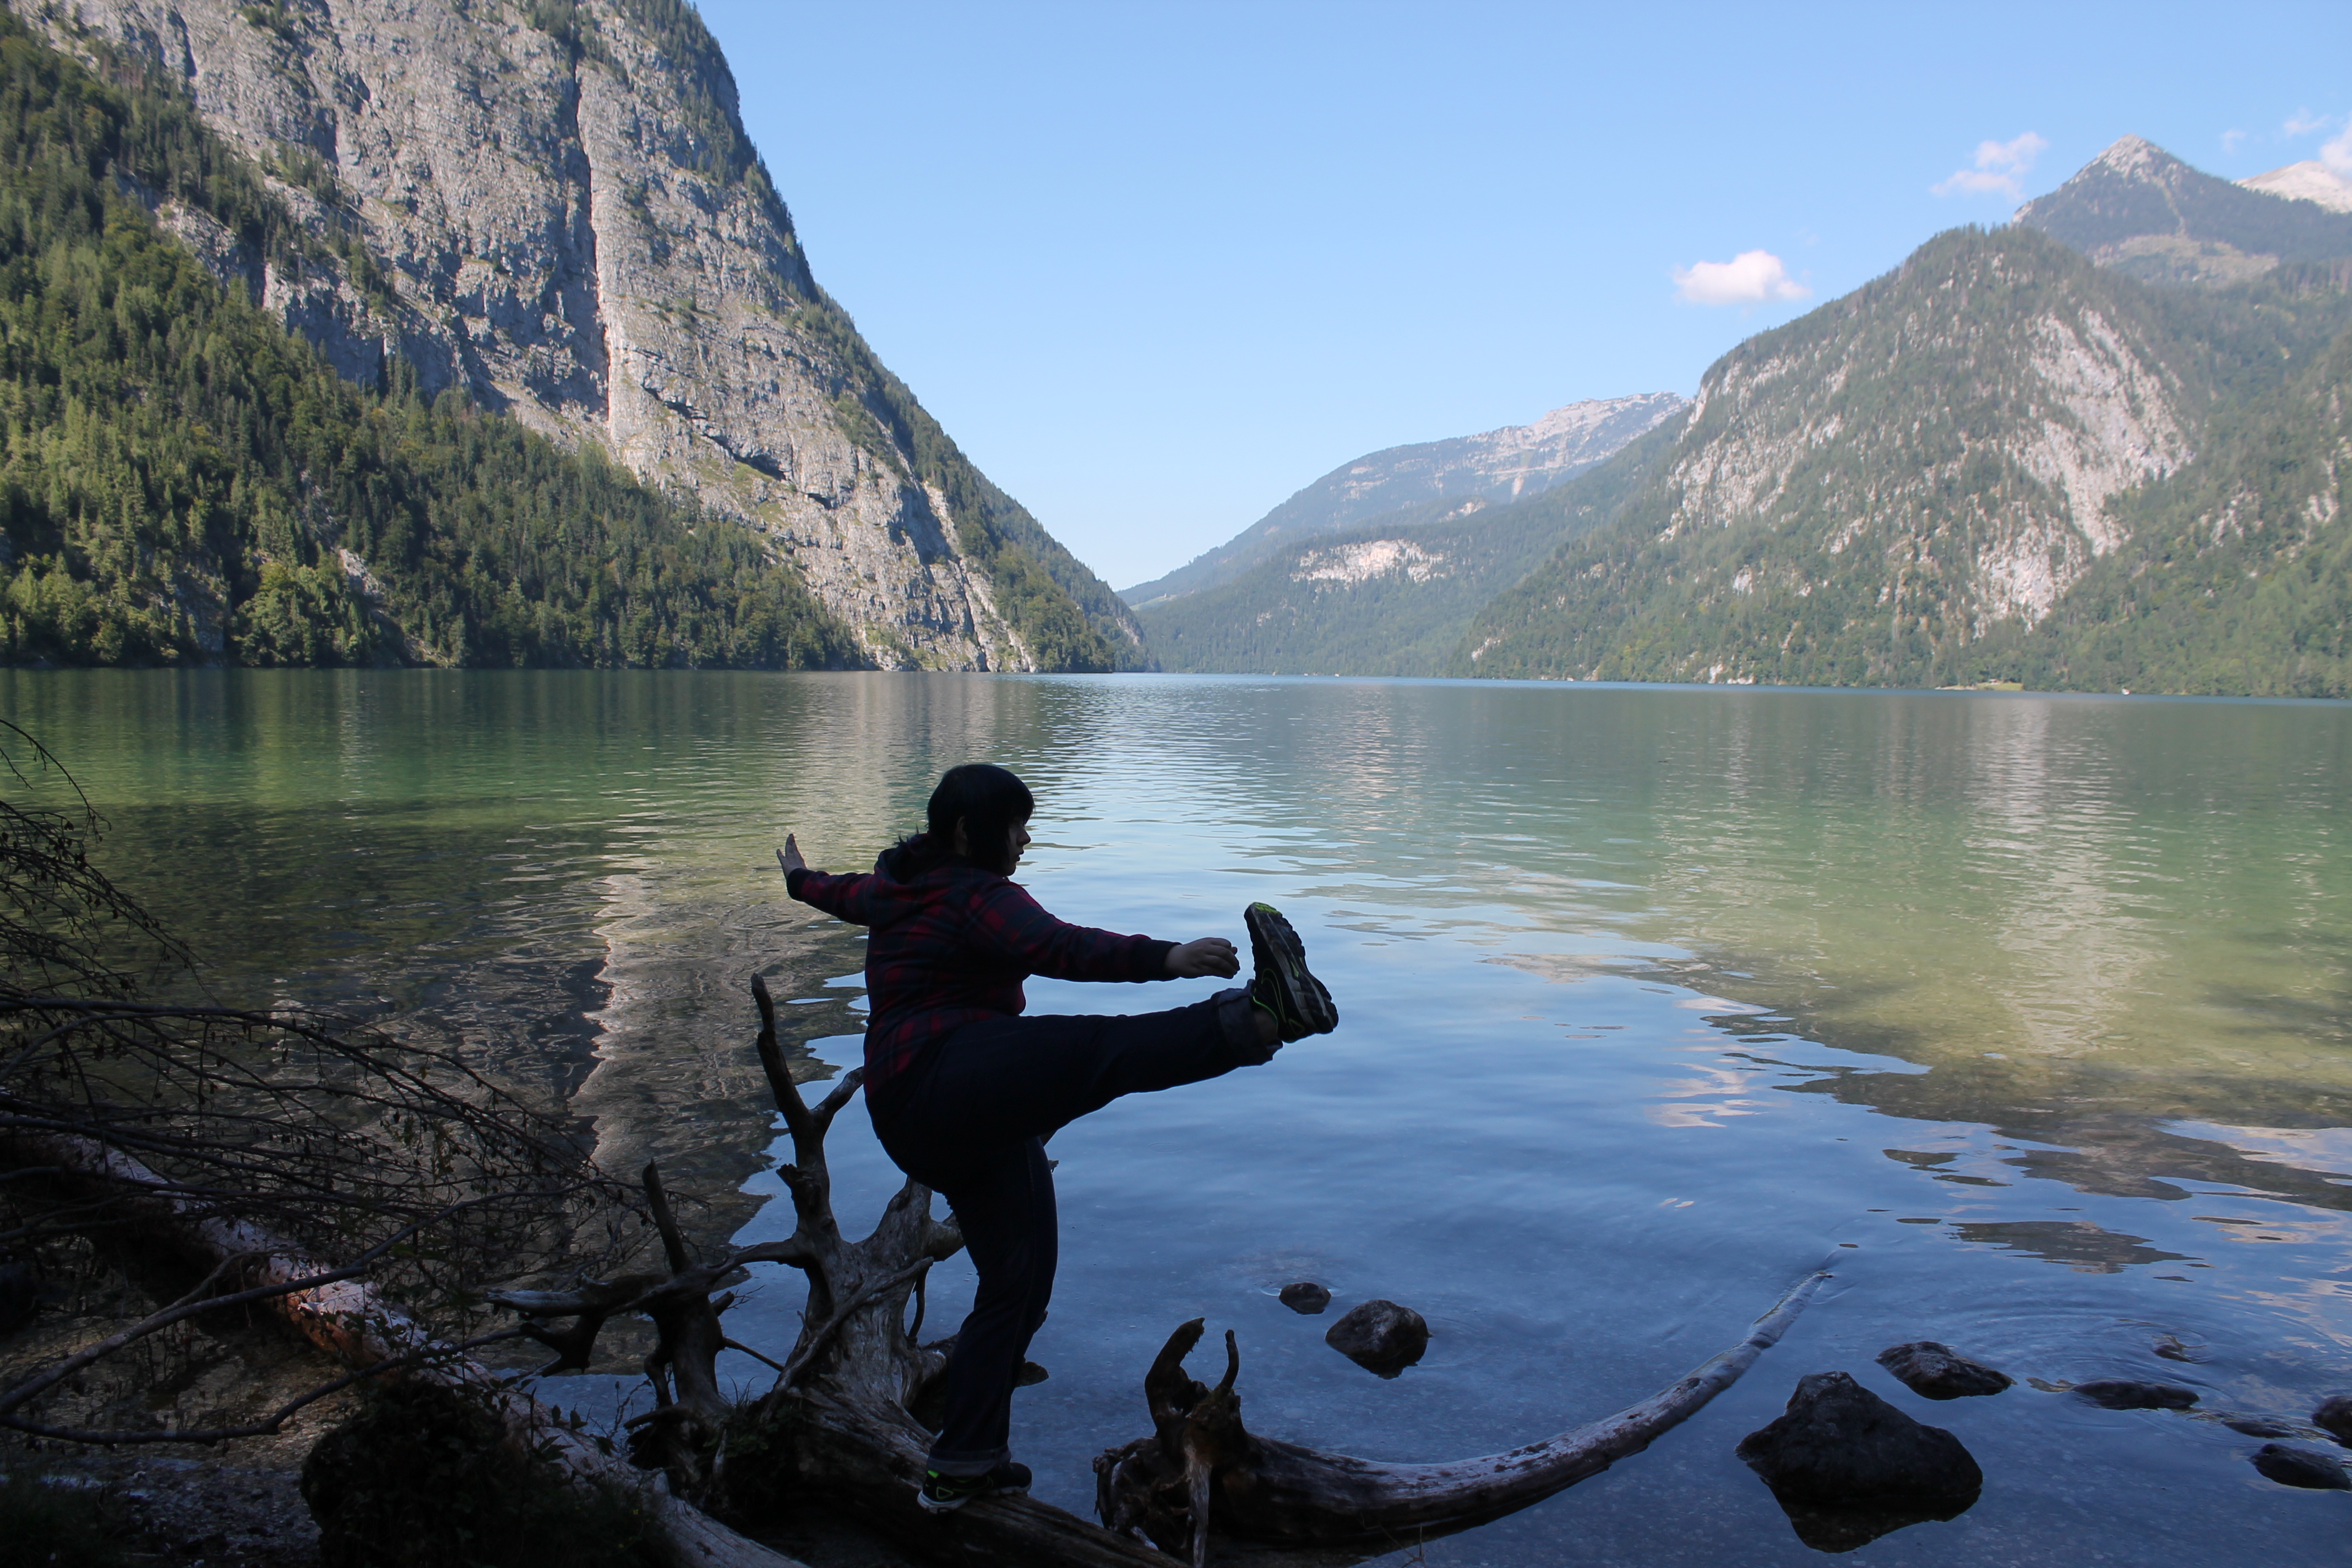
(1200, 1463)
(835, 1427)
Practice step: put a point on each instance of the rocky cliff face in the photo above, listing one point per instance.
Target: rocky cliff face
(2014, 427)
(1511, 464)
(553, 205)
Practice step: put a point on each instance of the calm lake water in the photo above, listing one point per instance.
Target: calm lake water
(2033, 1015)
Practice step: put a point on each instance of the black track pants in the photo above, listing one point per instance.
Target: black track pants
(971, 1122)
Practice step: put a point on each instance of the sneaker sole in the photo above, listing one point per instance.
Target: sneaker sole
(1309, 999)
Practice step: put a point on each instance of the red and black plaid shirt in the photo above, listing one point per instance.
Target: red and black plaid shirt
(952, 946)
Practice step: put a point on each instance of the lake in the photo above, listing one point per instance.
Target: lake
(2033, 1016)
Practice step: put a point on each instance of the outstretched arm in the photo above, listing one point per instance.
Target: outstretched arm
(789, 856)
(1007, 924)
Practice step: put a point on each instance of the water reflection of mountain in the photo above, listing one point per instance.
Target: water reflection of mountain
(2087, 919)
(2078, 1244)
(2094, 922)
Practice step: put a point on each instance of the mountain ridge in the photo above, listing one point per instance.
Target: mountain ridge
(2309, 180)
(1390, 596)
(1829, 519)
(2139, 209)
(1505, 464)
(553, 206)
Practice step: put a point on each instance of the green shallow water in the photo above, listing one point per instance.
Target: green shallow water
(2031, 1013)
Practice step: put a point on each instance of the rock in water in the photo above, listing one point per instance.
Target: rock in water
(2124, 1394)
(1849, 1468)
(1380, 1337)
(1839, 1443)
(2334, 1415)
(1938, 1371)
(2302, 1467)
(1305, 1297)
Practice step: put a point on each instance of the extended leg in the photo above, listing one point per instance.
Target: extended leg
(1030, 1077)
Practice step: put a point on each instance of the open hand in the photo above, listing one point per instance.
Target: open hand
(789, 856)
(1209, 955)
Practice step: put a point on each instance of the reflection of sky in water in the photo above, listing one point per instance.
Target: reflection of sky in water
(2030, 1015)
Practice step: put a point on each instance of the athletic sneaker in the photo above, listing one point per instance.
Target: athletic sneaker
(939, 1493)
(1282, 985)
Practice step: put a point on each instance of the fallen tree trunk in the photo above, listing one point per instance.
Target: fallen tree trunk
(351, 1320)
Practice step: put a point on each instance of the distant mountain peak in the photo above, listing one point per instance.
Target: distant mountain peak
(2309, 180)
(1506, 464)
(2137, 208)
(2135, 156)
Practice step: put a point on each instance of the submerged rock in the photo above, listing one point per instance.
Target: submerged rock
(2262, 1425)
(1848, 1468)
(2302, 1467)
(1305, 1297)
(2334, 1416)
(1938, 1371)
(1379, 1336)
(2125, 1393)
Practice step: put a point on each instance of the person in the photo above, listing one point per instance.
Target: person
(964, 1091)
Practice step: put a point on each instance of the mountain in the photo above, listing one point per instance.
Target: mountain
(1392, 597)
(2237, 571)
(551, 207)
(2000, 462)
(2139, 209)
(183, 480)
(1509, 464)
(2309, 180)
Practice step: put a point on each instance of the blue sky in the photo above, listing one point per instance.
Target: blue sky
(1155, 267)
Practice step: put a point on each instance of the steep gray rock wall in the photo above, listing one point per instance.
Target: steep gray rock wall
(563, 217)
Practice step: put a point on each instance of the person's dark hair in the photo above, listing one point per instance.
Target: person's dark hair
(987, 800)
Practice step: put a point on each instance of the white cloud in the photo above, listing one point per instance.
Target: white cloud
(1998, 167)
(1750, 277)
(2337, 153)
(2232, 140)
(2303, 122)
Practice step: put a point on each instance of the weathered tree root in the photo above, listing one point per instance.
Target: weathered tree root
(1203, 1466)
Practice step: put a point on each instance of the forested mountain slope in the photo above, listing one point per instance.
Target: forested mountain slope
(184, 480)
(552, 205)
(1906, 485)
(2236, 574)
(1392, 597)
(1511, 464)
